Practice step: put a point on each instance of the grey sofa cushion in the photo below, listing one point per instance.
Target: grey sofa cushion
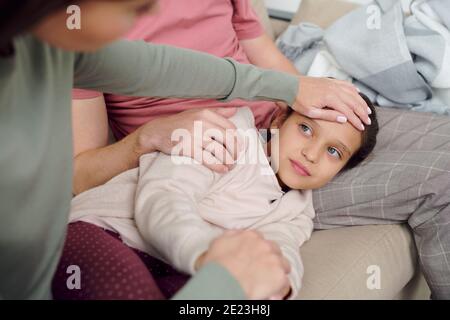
(406, 179)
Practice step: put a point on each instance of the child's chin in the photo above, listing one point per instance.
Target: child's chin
(295, 182)
(297, 186)
(304, 185)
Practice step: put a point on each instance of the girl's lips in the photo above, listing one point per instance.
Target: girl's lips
(301, 170)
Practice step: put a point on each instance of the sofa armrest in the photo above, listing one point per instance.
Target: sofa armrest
(322, 12)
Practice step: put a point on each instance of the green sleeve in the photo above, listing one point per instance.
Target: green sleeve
(212, 282)
(137, 68)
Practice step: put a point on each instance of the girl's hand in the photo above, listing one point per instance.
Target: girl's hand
(315, 94)
(213, 143)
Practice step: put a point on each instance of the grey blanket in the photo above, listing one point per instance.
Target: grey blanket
(396, 60)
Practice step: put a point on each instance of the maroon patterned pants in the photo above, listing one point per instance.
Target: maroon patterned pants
(109, 269)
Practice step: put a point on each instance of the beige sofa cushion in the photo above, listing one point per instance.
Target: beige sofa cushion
(336, 263)
(322, 12)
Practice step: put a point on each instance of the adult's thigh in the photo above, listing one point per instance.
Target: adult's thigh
(108, 268)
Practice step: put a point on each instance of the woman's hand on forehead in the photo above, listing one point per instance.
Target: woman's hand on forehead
(340, 98)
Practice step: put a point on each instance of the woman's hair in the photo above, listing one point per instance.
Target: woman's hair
(369, 137)
(18, 16)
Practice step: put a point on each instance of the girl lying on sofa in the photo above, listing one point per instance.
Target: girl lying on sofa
(172, 207)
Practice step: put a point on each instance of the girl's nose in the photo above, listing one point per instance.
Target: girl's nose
(311, 152)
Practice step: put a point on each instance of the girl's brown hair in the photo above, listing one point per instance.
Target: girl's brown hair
(369, 138)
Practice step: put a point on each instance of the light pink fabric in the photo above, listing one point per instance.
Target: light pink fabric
(212, 26)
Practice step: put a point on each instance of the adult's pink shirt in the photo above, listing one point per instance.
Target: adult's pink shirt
(212, 26)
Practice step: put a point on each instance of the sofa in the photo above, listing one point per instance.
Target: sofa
(357, 262)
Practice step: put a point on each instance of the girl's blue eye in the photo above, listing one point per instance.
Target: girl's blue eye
(334, 152)
(305, 129)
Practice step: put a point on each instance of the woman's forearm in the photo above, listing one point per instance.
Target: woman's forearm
(95, 167)
(136, 68)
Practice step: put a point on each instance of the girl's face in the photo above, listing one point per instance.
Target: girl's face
(309, 153)
(101, 23)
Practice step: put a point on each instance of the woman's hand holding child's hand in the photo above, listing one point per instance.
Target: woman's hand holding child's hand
(256, 263)
(315, 94)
